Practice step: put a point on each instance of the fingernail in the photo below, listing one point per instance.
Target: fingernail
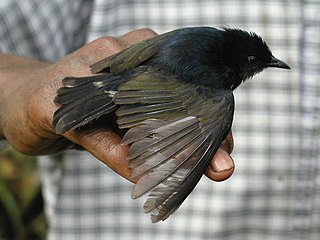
(222, 161)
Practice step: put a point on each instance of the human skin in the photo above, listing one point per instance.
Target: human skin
(26, 108)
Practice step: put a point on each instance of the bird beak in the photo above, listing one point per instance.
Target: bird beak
(277, 63)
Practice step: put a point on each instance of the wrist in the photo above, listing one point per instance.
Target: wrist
(17, 82)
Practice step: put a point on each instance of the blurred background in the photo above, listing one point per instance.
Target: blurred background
(274, 193)
(21, 202)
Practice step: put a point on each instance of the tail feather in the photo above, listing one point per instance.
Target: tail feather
(68, 95)
(77, 81)
(83, 100)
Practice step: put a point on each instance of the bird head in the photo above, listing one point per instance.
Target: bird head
(247, 54)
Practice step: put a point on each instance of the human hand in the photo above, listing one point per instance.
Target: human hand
(27, 108)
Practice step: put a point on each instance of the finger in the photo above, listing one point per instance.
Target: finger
(106, 146)
(221, 166)
(137, 36)
(228, 143)
(95, 51)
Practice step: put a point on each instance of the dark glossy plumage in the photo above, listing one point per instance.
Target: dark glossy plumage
(174, 95)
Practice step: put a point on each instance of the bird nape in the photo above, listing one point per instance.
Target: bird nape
(173, 95)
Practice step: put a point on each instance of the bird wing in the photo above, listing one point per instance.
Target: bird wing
(174, 131)
(132, 56)
(174, 128)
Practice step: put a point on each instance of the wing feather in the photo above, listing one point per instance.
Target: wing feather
(154, 141)
(164, 153)
(164, 166)
(173, 139)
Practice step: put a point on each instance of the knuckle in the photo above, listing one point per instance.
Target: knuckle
(103, 47)
(137, 36)
(147, 32)
(109, 43)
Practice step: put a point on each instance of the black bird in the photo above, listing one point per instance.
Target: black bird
(174, 95)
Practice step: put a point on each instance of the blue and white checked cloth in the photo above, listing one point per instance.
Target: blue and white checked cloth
(275, 191)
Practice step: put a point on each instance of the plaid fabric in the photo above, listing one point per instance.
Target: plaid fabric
(46, 30)
(275, 191)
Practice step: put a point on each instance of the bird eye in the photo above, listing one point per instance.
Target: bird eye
(251, 58)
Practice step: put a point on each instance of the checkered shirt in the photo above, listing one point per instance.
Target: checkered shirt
(275, 190)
